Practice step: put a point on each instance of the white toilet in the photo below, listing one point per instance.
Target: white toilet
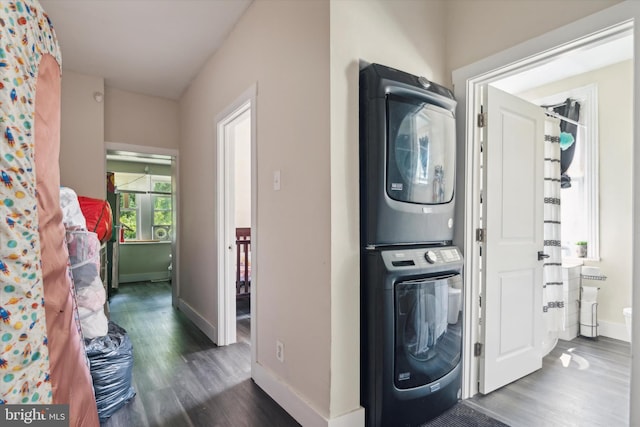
(627, 320)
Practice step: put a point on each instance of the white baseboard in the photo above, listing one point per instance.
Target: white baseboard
(613, 330)
(297, 407)
(202, 323)
(143, 277)
(351, 419)
(278, 390)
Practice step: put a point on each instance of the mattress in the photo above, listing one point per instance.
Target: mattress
(42, 359)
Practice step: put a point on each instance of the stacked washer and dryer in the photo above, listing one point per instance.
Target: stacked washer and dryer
(411, 274)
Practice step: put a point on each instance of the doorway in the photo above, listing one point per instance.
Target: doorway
(235, 130)
(142, 190)
(468, 81)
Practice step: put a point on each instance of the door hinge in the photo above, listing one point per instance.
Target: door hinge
(477, 349)
(480, 232)
(482, 119)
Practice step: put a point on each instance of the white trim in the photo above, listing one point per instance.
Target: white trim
(207, 328)
(613, 330)
(545, 47)
(144, 277)
(175, 243)
(521, 57)
(299, 408)
(225, 221)
(145, 149)
(593, 178)
(350, 419)
(252, 94)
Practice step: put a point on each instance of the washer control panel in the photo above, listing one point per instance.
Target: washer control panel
(396, 259)
(431, 257)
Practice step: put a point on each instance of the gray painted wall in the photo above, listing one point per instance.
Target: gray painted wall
(144, 261)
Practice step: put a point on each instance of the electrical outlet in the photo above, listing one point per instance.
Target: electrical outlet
(280, 351)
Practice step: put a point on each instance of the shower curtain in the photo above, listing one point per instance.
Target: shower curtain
(570, 109)
(552, 295)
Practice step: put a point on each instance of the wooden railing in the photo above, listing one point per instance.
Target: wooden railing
(243, 262)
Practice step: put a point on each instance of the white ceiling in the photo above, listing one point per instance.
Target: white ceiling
(577, 61)
(150, 47)
(157, 47)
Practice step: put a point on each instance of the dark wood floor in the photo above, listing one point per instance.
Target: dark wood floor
(183, 379)
(180, 376)
(592, 390)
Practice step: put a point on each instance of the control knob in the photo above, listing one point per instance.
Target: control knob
(431, 257)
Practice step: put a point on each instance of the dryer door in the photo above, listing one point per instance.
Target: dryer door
(427, 346)
(420, 151)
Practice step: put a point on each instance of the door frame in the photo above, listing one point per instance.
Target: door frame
(467, 89)
(175, 200)
(225, 221)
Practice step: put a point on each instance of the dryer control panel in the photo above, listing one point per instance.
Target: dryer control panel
(405, 259)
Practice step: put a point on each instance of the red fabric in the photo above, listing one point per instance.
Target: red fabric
(70, 377)
(97, 213)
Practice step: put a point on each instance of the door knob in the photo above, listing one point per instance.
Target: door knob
(542, 255)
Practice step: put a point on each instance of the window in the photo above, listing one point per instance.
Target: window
(145, 206)
(129, 215)
(579, 202)
(161, 210)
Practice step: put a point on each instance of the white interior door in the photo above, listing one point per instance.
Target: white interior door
(226, 231)
(513, 219)
(231, 133)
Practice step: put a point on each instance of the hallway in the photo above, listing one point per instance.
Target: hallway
(181, 378)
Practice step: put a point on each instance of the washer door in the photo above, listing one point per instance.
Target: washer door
(427, 345)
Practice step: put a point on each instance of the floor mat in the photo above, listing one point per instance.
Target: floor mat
(462, 415)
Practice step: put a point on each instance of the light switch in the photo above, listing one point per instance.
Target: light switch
(276, 180)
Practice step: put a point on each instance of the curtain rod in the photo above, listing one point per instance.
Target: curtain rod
(566, 119)
(555, 105)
